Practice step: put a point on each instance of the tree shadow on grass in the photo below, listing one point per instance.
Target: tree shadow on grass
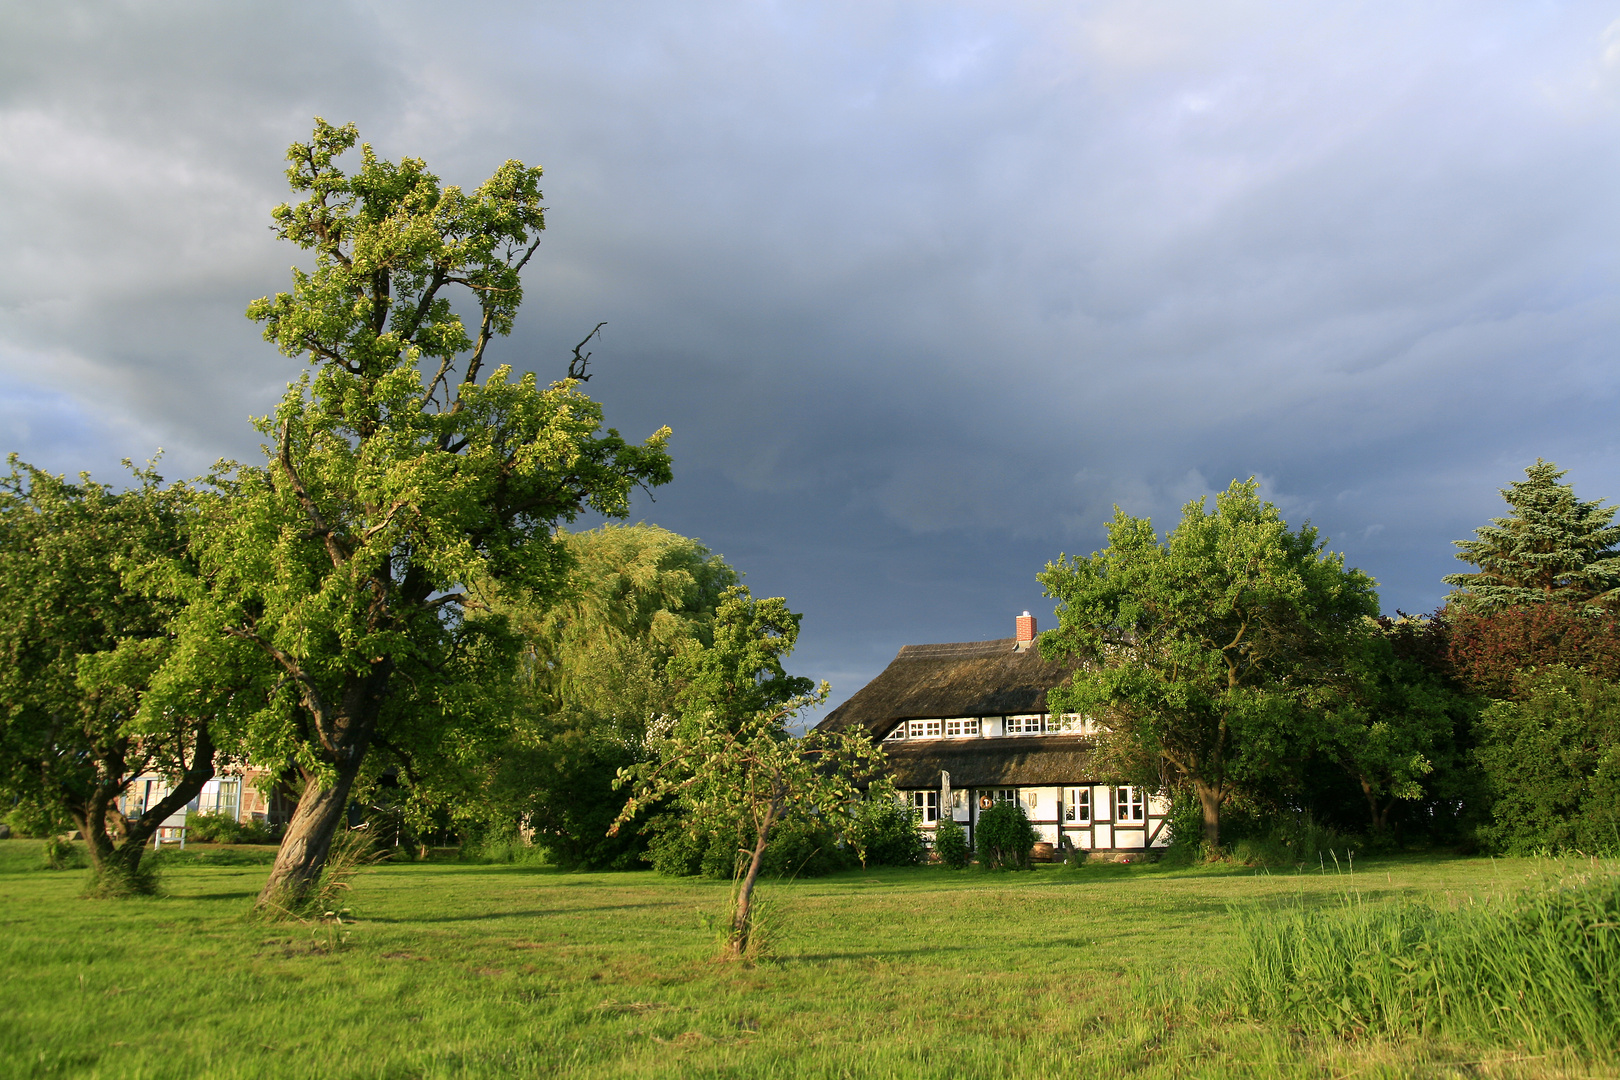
(593, 909)
(872, 954)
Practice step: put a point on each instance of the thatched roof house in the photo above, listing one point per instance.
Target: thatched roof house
(967, 725)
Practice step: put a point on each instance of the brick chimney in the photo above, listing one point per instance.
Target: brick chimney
(1025, 624)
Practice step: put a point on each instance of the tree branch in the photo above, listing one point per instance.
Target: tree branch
(334, 548)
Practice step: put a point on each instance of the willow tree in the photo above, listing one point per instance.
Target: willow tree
(400, 478)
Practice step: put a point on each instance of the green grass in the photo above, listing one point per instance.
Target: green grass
(491, 971)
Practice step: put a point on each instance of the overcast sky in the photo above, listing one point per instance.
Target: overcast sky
(923, 289)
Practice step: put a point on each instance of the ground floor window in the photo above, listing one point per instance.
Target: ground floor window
(1077, 804)
(926, 804)
(1130, 804)
(221, 797)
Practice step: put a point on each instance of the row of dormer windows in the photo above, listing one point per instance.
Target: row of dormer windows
(976, 727)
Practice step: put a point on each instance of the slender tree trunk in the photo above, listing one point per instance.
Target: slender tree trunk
(1209, 799)
(741, 920)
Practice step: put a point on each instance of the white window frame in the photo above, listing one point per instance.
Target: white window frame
(962, 727)
(926, 805)
(899, 732)
(923, 729)
(1077, 805)
(1130, 804)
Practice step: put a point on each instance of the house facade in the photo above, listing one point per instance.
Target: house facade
(965, 726)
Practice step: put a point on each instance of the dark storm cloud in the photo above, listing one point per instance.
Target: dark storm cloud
(924, 289)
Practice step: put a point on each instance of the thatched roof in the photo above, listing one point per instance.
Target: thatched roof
(1016, 761)
(970, 678)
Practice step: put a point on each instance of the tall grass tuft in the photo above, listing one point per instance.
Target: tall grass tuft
(1540, 969)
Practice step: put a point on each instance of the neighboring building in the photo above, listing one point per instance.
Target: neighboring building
(236, 792)
(965, 726)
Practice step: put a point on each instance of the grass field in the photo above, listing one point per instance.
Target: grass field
(459, 970)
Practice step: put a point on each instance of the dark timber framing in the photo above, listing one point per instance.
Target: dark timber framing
(972, 717)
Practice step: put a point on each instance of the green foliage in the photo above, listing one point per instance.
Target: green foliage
(1553, 548)
(352, 570)
(1552, 760)
(1186, 826)
(1004, 837)
(740, 674)
(951, 843)
(1201, 654)
(885, 830)
(595, 673)
(1540, 970)
(225, 829)
(723, 771)
(31, 821)
(1392, 719)
(60, 853)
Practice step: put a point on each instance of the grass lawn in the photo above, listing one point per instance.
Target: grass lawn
(466, 970)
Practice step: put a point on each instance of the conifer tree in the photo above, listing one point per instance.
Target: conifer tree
(1554, 548)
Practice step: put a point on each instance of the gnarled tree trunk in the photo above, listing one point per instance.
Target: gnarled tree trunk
(321, 808)
(116, 866)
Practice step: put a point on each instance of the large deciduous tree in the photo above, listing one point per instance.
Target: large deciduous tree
(1199, 652)
(1554, 547)
(84, 630)
(400, 478)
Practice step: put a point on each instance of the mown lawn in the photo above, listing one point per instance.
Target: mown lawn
(465, 970)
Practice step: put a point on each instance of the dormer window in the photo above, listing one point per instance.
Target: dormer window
(967, 726)
(922, 729)
(899, 732)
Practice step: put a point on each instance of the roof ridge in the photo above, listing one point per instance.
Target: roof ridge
(957, 648)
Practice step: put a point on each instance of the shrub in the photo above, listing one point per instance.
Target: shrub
(951, 843)
(225, 829)
(1552, 760)
(886, 832)
(212, 828)
(30, 822)
(1541, 968)
(1005, 837)
(804, 849)
(60, 853)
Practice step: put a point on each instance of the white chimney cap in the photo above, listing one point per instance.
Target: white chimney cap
(1025, 615)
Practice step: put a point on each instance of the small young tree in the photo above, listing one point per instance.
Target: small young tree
(1554, 548)
(1201, 651)
(398, 481)
(758, 772)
